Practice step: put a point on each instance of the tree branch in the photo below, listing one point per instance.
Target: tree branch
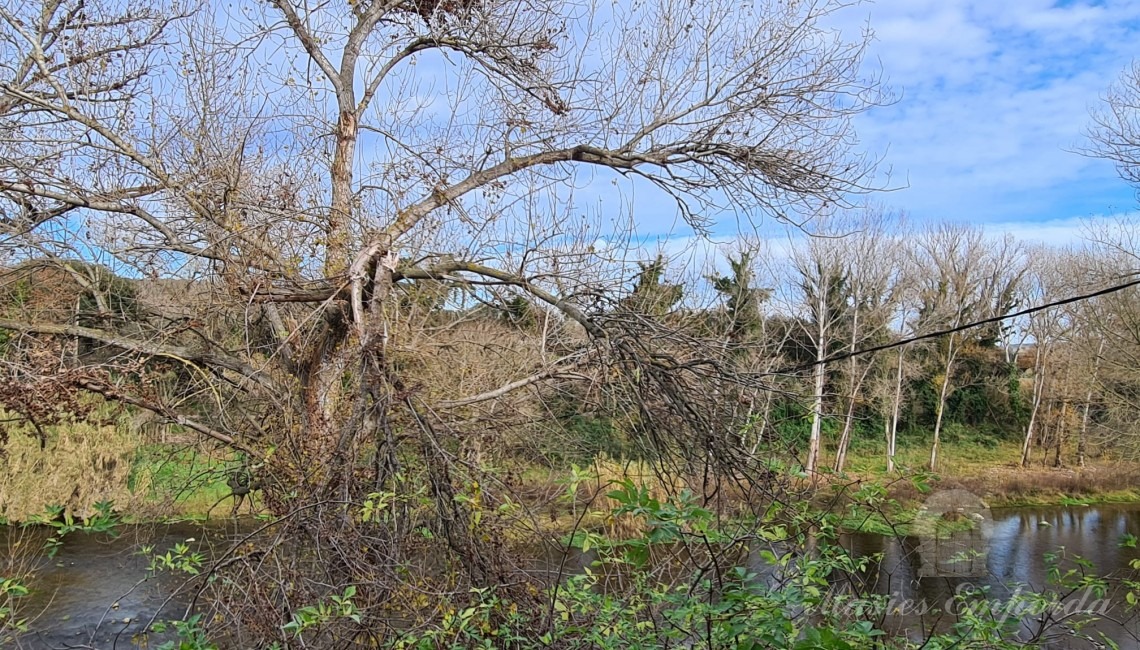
(409, 217)
(551, 373)
(310, 44)
(441, 271)
(112, 393)
(186, 355)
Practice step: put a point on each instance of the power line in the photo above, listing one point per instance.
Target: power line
(957, 328)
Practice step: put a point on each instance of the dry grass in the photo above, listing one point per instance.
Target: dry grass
(1010, 485)
(994, 472)
(1105, 481)
(81, 466)
(611, 472)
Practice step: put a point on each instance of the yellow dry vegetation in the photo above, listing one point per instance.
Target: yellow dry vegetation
(613, 471)
(81, 465)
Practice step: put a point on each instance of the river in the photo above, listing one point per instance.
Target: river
(93, 592)
(1012, 560)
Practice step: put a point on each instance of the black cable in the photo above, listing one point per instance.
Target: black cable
(955, 329)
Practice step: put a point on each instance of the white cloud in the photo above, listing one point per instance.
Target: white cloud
(994, 97)
(1053, 232)
(1072, 231)
(993, 102)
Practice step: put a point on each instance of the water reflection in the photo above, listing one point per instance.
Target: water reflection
(1015, 560)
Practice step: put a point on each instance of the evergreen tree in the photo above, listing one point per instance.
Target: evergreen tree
(742, 299)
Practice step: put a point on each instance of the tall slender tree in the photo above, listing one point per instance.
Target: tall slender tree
(873, 287)
(821, 279)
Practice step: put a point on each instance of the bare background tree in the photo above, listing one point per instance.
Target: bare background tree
(1115, 129)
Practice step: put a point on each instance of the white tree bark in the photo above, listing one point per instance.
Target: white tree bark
(893, 421)
(1039, 360)
(943, 393)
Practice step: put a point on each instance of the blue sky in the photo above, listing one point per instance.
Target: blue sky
(993, 100)
(993, 97)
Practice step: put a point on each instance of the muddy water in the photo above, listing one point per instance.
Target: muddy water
(95, 593)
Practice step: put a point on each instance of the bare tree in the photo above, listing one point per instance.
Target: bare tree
(1047, 328)
(1087, 342)
(966, 278)
(1109, 332)
(1113, 254)
(821, 278)
(1115, 128)
(1091, 379)
(906, 303)
(873, 290)
(288, 171)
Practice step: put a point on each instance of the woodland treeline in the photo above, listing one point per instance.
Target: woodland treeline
(871, 327)
(848, 332)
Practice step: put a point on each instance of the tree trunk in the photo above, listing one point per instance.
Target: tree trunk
(814, 442)
(332, 354)
(766, 413)
(893, 425)
(1082, 433)
(1038, 391)
(845, 437)
(938, 426)
(849, 421)
(942, 394)
(852, 394)
(1063, 421)
(340, 212)
(887, 436)
(1059, 440)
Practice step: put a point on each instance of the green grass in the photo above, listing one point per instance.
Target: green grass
(956, 459)
(181, 478)
(987, 467)
(904, 522)
(991, 468)
(1053, 499)
(875, 522)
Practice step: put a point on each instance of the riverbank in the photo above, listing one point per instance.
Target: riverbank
(177, 482)
(991, 472)
(994, 473)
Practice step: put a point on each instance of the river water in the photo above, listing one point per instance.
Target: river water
(1012, 560)
(95, 593)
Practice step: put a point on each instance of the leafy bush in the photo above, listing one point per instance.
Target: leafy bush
(735, 607)
(11, 590)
